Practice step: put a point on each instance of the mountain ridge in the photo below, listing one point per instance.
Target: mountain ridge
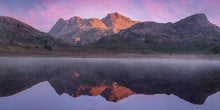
(191, 34)
(80, 31)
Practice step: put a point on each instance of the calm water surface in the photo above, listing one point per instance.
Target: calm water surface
(109, 84)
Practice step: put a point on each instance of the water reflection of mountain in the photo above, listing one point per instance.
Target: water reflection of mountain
(113, 79)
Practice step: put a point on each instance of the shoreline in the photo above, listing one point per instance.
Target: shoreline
(121, 55)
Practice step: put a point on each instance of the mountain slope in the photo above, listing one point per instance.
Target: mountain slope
(194, 25)
(192, 34)
(79, 31)
(14, 33)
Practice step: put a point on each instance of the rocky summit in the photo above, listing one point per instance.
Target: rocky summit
(80, 31)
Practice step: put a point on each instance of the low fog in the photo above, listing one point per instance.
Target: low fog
(107, 65)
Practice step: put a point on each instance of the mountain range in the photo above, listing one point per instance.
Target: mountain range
(115, 32)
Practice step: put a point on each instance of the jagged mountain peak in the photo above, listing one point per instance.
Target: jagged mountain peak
(113, 17)
(117, 21)
(116, 15)
(74, 20)
(76, 17)
(86, 23)
(60, 21)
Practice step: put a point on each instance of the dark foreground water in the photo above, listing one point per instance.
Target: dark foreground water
(109, 84)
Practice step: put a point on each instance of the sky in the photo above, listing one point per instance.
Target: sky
(43, 14)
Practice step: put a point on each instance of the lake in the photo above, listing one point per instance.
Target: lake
(109, 84)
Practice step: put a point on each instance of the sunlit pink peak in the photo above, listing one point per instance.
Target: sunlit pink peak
(76, 18)
(114, 15)
(117, 21)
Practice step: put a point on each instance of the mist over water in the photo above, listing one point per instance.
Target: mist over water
(192, 80)
(142, 65)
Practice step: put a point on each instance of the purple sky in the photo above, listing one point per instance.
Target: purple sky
(43, 14)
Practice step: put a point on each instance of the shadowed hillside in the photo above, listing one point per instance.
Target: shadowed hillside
(194, 34)
(18, 37)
